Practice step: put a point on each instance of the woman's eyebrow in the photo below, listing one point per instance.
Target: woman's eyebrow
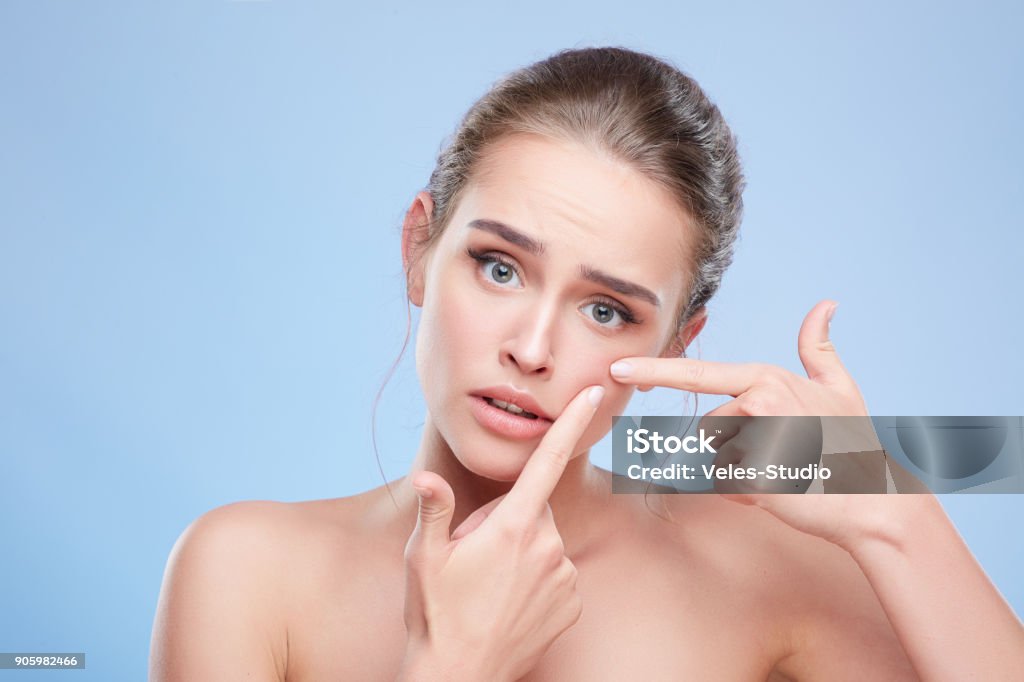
(536, 248)
(509, 234)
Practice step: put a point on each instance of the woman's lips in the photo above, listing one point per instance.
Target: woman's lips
(513, 396)
(505, 423)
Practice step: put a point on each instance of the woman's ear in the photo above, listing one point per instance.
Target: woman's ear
(688, 333)
(681, 341)
(415, 230)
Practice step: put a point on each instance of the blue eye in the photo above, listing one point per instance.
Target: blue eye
(603, 311)
(499, 270)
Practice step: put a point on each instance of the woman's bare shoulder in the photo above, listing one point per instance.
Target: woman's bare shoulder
(269, 528)
(237, 579)
(306, 532)
(261, 542)
(215, 618)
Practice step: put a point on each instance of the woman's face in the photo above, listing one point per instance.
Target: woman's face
(556, 262)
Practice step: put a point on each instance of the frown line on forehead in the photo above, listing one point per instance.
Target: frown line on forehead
(587, 272)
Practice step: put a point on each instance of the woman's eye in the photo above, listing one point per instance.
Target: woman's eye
(499, 271)
(603, 313)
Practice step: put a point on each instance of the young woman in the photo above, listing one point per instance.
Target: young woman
(563, 254)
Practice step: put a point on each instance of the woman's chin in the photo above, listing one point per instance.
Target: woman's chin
(496, 467)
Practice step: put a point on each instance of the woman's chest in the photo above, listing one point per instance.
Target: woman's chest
(643, 618)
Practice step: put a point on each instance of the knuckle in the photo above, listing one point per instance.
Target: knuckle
(433, 513)
(769, 405)
(551, 550)
(514, 531)
(765, 402)
(575, 609)
(415, 554)
(825, 346)
(554, 458)
(754, 407)
(771, 375)
(750, 405)
(571, 574)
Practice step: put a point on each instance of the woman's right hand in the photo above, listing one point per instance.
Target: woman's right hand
(486, 602)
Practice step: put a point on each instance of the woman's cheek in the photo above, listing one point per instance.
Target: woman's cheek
(592, 370)
(476, 309)
(460, 318)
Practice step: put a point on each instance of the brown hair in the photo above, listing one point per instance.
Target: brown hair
(631, 106)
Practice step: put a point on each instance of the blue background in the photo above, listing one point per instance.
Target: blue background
(200, 276)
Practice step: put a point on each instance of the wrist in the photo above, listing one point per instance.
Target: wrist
(425, 662)
(890, 522)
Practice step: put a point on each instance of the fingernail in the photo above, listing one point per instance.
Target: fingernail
(595, 395)
(832, 311)
(425, 493)
(621, 368)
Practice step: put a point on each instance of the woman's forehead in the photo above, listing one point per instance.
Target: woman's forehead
(574, 199)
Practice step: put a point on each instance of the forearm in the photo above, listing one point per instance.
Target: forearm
(950, 619)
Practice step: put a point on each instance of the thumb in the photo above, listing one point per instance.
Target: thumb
(818, 355)
(437, 506)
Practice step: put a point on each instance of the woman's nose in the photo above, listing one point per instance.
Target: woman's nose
(529, 346)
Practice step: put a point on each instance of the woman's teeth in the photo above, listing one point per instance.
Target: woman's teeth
(508, 407)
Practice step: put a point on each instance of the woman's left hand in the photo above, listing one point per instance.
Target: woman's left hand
(761, 389)
(768, 390)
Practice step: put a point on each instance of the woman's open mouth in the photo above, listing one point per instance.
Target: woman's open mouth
(507, 420)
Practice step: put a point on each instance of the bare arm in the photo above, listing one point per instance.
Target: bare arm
(216, 614)
(949, 617)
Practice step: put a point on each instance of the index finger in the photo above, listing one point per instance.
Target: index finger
(688, 374)
(539, 477)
